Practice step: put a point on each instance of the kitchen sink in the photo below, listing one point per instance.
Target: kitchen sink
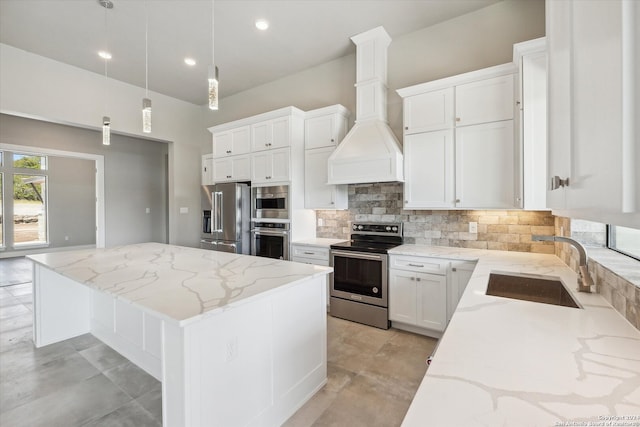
(530, 288)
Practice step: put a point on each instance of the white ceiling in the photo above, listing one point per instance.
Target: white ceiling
(302, 34)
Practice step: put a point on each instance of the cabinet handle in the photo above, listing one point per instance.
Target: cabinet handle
(415, 265)
(413, 278)
(417, 279)
(332, 140)
(228, 151)
(454, 269)
(406, 128)
(228, 176)
(333, 203)
(457, 119)
(205, 169)
(557, 182)
(457, 200)
(309, 253)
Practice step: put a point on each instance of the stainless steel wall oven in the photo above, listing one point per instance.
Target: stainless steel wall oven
(270, 239)
(270, 202)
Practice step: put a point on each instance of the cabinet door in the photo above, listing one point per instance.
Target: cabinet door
(487, 100)
(241, 168)
(558, 17)
(486, 166)
(207, 169)
(429, 170)
(428, 111)
(280, 133)
(319, 132)
(222, 144)
(317, 193)
(241, 140)
(260, 167)
(222, 170)
(432, 301)
(402, 296)
(461, 272)
(280, 165)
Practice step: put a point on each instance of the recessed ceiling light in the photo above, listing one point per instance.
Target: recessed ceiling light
(104, 55)
(262, 24)
(190, 61)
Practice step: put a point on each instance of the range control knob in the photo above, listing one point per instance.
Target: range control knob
(375, 290)
(388, 228)
(360, 227)
(355, 227)
(395, 228)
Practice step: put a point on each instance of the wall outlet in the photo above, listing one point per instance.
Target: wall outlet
(320, 222)
(66, 237)
(473, 227)
(148, 210)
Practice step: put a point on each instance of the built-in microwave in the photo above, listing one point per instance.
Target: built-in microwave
(270, 202)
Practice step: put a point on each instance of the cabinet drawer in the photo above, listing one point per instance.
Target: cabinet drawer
(420, 264)
(311, 252)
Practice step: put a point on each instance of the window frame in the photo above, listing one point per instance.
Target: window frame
(611, 243)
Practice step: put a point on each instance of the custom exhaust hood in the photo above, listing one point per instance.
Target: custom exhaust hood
(370, 152)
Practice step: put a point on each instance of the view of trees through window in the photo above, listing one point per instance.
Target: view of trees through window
(29, 200)
(625, 240)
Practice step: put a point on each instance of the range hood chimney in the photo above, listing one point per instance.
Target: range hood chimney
(370, 151)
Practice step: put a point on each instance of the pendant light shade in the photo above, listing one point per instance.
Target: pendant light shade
(106, 130)
(213, 87)
(146, 115)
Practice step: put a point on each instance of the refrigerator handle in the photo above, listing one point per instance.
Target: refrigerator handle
(217, 209)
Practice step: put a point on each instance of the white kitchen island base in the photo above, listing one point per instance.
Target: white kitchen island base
(253, 361)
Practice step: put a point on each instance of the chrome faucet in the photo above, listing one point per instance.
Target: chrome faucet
(584, 279)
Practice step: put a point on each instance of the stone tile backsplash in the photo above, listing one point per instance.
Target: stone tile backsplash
(621, 293)
(501, 230)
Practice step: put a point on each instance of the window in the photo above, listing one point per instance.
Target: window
(29, 161)
(29, 209)
(624, 240)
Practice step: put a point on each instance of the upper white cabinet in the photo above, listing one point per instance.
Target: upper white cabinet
(486, 100)
(271, 167)
(323, 130)
(271, 134)
(232, 168)
(594, 67)
(461, 149)
(232, 142)
(428, 111)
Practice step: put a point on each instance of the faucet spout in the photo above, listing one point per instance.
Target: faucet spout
(584, 278)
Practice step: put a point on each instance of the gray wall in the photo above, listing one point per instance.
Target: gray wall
(135, 174)
(473, 41)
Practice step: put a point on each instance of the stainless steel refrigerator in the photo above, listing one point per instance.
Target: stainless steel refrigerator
(226, 210)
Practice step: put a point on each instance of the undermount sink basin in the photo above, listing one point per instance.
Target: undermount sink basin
(530, 288)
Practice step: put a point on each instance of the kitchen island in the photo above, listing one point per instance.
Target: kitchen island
(234, 339)
(507, 362)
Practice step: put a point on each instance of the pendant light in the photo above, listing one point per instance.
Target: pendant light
(146, 102)
(106, 120)
(213, 70)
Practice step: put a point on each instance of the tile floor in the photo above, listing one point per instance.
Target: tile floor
(372, 377)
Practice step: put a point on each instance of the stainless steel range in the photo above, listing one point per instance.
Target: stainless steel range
(359, 288)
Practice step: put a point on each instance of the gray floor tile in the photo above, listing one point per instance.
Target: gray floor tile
(15, 270)
(133, 380)
(152, 402)
(25, 357)
(8, 300)
(69, 406)
(103, 357)
(130, 414)
(83, 342)
(16, 322)
(13, 311)
(14, 337)
(30, 385)
(19, 290)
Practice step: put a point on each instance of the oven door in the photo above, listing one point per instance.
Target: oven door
(270, 243)
(270, 202)
(359, 276)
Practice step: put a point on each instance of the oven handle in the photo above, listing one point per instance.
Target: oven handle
(270, 232)
(358, 255)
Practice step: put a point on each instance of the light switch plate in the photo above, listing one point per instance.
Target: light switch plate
(184, 210)
(473, 227)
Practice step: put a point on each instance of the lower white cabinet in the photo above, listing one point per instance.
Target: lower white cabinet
(309, 254)
(418, 294)
(459, 276)
(424, 292)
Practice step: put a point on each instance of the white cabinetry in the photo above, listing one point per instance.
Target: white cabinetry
(309, 254)
(459, 276)
(594, 67)
(232, 142)
(418, 293)
(232, 168)
(270, 134)
(324, 129)
(269, 167)
(485, 171)
(207, 170)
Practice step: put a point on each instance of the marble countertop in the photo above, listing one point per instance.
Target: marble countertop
(177, 283)
(508, 362)
(319, 241)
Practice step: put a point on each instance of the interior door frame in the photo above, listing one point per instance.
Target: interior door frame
(98, 159)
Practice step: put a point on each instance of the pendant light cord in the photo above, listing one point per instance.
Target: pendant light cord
(213, 20)
(146, 50)
(106, 42)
